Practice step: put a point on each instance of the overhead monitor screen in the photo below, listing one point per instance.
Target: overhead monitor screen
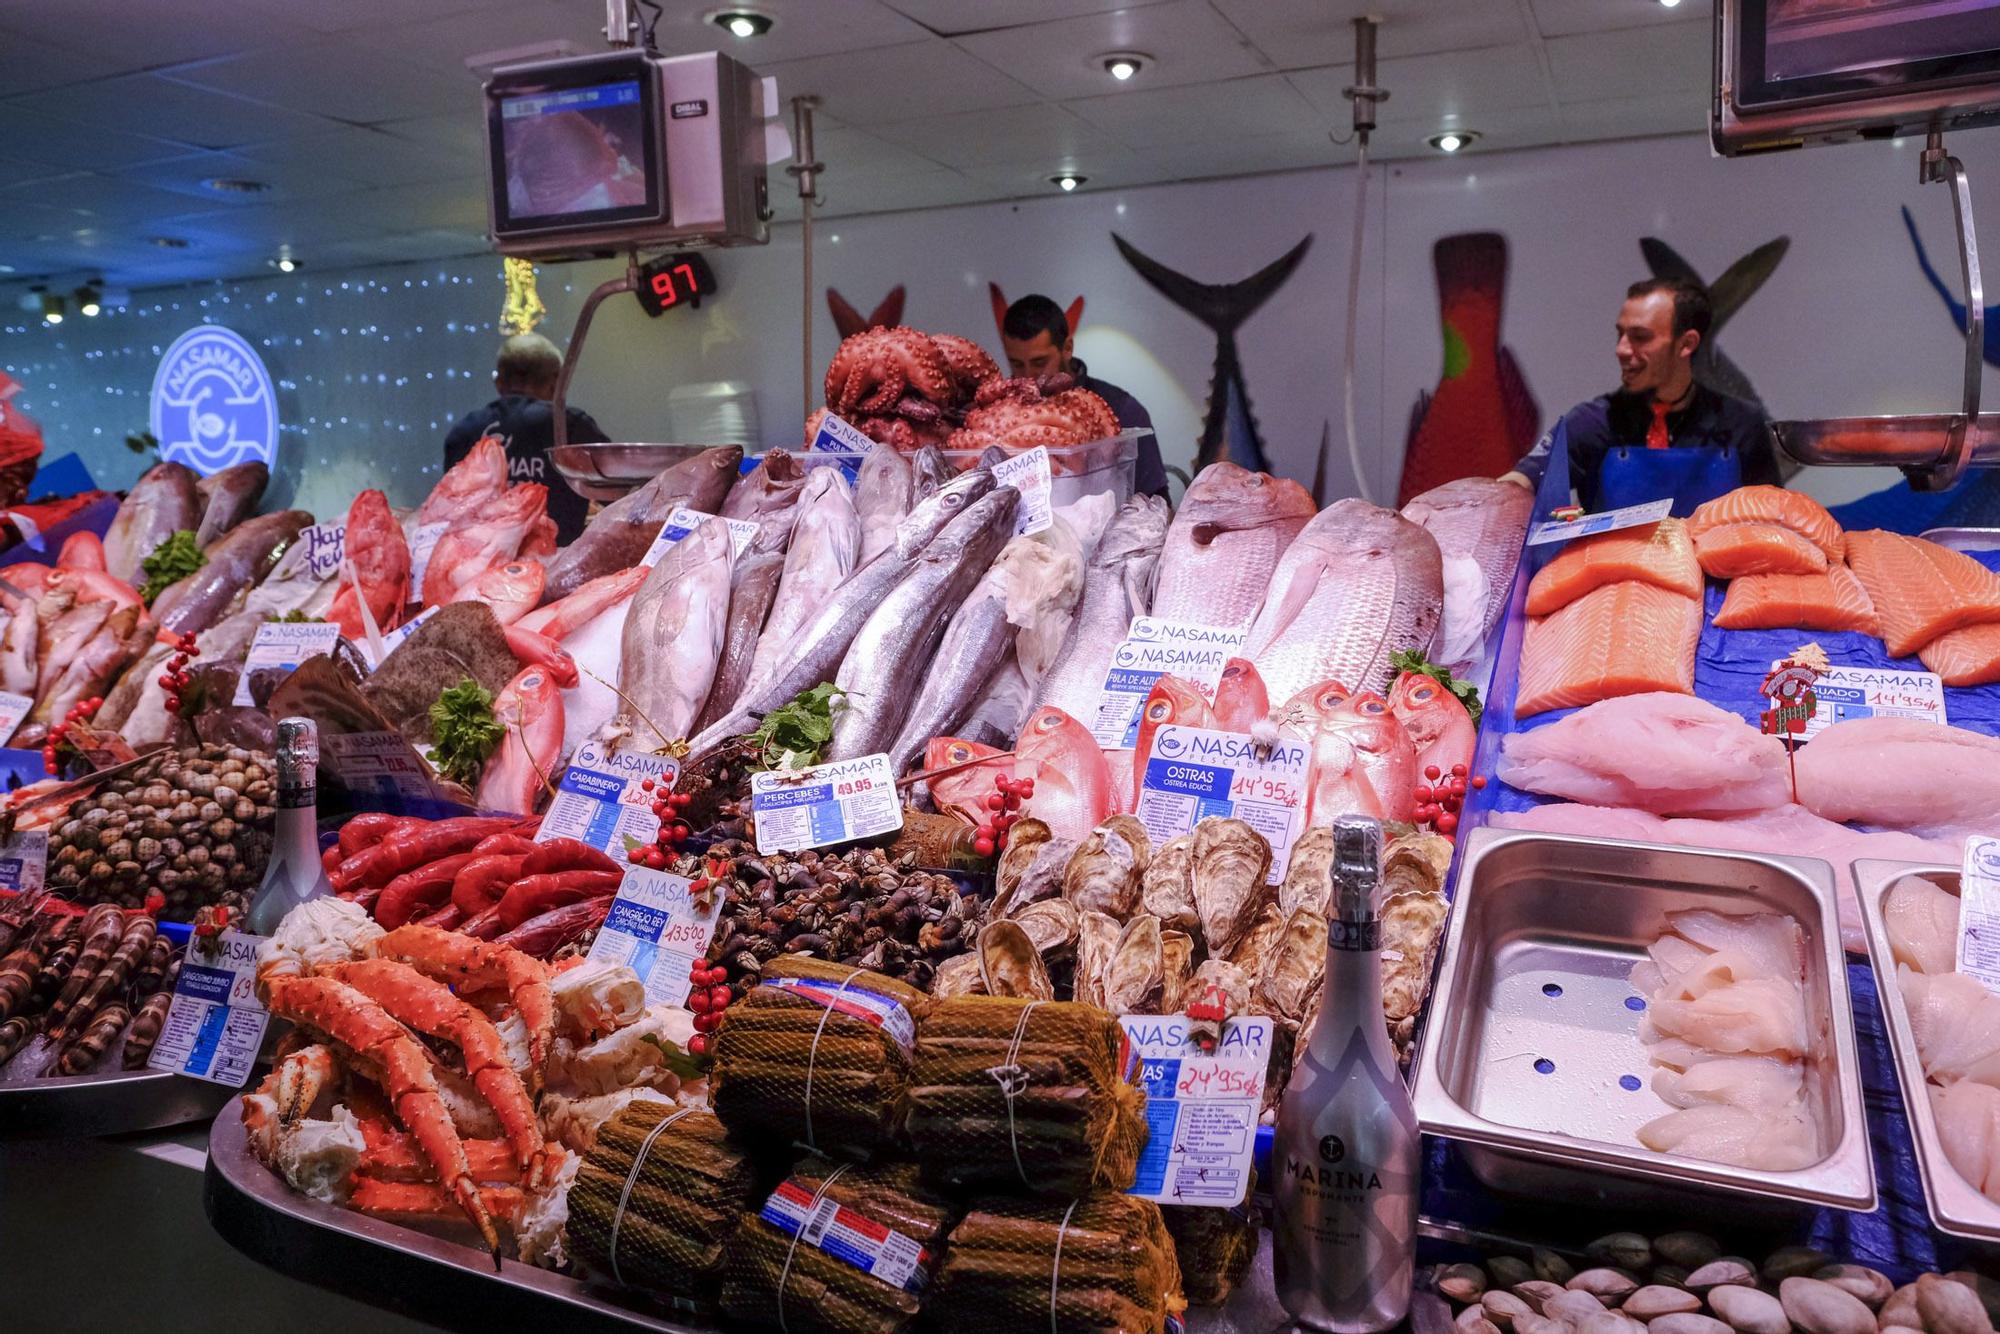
(1805, 48)
(574, 152)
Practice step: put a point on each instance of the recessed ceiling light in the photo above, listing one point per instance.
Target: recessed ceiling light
(742, 22)
(1067, 181)
(1122, 65)
(1669, 4)
(286, 262)
(168, 242)
(1452, 140)
(234, 185)
(52, 308)
(6, 268)
(87, 302)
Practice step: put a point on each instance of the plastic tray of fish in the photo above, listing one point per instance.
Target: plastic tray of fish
(114, 1102)
(1956, 1205)
(1533, 1058)
(1965, 539)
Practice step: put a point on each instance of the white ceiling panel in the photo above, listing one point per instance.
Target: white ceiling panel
(891, 83)
(1012, 135)
(1188, 42)
(353, 154)
(350, 15)
(1523, 127)
(146, 104)
(1204, 113)
(1463, 84)
(1298, 34)
(964, 16)
(113, 198)
(799, 28)
(1631, 117)
(1556, 18)
(442, 44)
(1252, 153)
(27, 64)
(65, 145)
(185, 176)
(146, 34)
(859, 155)
(1632, 62)
(1100, 171)
(334, 79)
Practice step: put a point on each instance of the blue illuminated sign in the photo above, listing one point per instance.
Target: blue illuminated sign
(213, 402)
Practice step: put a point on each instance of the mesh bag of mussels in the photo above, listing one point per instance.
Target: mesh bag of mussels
(1100, 1262)
(1014, 1094)
(842, 1248)
(657, 1200)
(818, 1053)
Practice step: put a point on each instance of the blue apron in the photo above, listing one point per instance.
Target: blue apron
(1691, 474)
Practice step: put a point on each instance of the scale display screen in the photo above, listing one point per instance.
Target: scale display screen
(1794, 49)
(575, 151)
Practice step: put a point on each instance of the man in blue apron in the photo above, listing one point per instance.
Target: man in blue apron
(1659, 434)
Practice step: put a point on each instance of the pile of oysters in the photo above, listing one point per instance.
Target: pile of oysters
(1132, 928)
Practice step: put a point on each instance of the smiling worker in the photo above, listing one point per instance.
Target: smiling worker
(1659, 434)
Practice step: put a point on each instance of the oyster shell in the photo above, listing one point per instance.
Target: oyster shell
(1292, 967)
(1096, 941)
(959, 976)
(1051, 924)
(1138, 966)
(1224, 985)
(1307, 881)
(1031, 868)
(1411, 927)
(1169, 885)
(1415, 864)
(1176, 970)
(1010, 965)
(1230, 860)
(1107, 871)
(1254, 949)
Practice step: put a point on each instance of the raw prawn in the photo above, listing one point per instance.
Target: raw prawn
(413, 845)
(418, 891)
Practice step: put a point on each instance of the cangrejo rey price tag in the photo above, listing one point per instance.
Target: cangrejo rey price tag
(657, 929)
(797, 809)
(216, 1024)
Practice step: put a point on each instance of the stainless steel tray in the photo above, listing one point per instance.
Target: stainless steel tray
(607, 472)
(1532, 1058)
(1956, 1204)
(1965, 539)
(112, 1103)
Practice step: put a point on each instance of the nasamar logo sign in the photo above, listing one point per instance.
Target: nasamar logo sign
(213, 402)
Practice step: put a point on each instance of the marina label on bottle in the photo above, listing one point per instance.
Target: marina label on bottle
(1028, 473)
(796, 809)
(600, 800)
(1153, 648)
(24, 861)
(13, 708)
(1195, 772)
(1201, 1108)
(1844, 693)
(215, 1026)
(684, 521)
(284, 644)
(657, 929)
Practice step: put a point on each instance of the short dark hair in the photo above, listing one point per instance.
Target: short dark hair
(527, 358)
(1035, 314)
(1691, 307)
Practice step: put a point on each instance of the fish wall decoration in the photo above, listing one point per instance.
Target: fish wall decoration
(1072, 313)
(1726, 295)
(1957, 308)
(849, 321)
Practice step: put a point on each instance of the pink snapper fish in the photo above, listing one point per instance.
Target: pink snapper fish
(1362, 760)
(530, 755)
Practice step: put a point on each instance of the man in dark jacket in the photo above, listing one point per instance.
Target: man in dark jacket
(1037, 339)
(523, 420)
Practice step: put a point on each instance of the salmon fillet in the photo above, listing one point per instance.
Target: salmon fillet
(1772, 504)
(1968, 657)
(1731, 550)
(1920, 589)
(1622, 639)
(1834, 600)
(1657, 553)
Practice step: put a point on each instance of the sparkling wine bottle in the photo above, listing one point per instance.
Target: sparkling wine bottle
(1344, 1226)
(295, 874)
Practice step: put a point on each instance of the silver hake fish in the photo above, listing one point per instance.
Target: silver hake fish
(1117, 586)
(673, 641)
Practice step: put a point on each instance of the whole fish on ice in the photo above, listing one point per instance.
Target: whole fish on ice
(512, 589)
(164, 501)
(1362, 761)
(1117, 585)
(826, 540)
(530, 756)
(883, 494)
(476, 542)
(1437, 721)
(1072, 786)
(672, 641)
(1480, 522)
(1226, 540)
(235, 563)
(753, 588)
(375, 576)
(772, 487)
(228, 498)
(466, 485)
(619, 537)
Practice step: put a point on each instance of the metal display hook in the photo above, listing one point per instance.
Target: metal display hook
(1938, 165)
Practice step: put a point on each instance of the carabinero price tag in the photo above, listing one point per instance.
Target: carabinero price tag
(215, 1025)
(797, 809)
(657, 929)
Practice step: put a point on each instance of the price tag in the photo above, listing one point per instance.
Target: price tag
(600, 802)
(882, 1252)
(1979, 912)
(796, 809)
(215, 1025)
(842, 444)
(657, 930)
(1842, 693)
(1028, 473)
(421, 547)
(1194, 773)
(283, 644)
(684, 521)
(324, 545)
(381, 762)
(1154, 648)
(1201, 1108)
(24, 861)
(1631, 516)
(13, 708)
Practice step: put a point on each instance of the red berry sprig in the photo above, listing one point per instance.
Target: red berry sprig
(81, 711)
(175, 679)
(674, 829)
(1442, 797)
(1005, 804)
(709, 995)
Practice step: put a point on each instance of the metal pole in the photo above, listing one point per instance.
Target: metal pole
(805, 168)
(574, 352)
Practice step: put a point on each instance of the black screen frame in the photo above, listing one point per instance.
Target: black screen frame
(1754, 89)
(613, 67)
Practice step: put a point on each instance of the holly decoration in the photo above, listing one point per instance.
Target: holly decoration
(176, 678)
(1441, 796)
(709, 995)
(1003, 805)
(207, 929)
(674, 829)
(82, 711)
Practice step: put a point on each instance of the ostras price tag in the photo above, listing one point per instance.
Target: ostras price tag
(684, 521)
(1152, 649)
(1193, 773)
(798, 809)
(600, 800)
(1028, 473)
(1201, 1108)
(216, 1024)
(657, 930)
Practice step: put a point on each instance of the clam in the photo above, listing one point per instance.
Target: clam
(1106, 873)
(958, 976)
(1168, 889)
(1292, 967)
(1010, 965)
(1096, 941)
(1307, 881)
(1230, 862)
(1411, 926)
(1031, 868)
(1132, 986)
(1176, 970)
(1051, 924)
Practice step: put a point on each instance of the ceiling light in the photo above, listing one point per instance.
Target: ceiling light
(1067, 181)
(742, 22)
(286, 262)
(1669, 4)
(234, 185)
(6, 268)
(87, 302)
(52, 308)
(1122, 65)
(1452, 140)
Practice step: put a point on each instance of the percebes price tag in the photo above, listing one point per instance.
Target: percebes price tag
(1154, 648)
(1194, 772)
(216, 1024)
(1201, 1108)
(797, 809)
(656, 928)
(600, 800)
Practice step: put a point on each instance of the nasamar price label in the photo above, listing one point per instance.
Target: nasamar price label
(602, 801)
(421, 547)
(843, 443)
(1028, 473)
(1842, 693)
(796, 809)
(24, 860)
(1979, 912)
(684, 521)
(1201, 1108)
(394, 639)
(283, 644)
(215, 1024)
(1152, 649)
(380, 762)
(657, 929)
(1193, 773)
(1631, 516)
(13, 708)
(325, 546)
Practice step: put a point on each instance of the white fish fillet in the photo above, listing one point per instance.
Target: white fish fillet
(1968, 1126)
(1784, 1142)
(1922, 921)
(1902, 774)
(1956, 1022)
(1761, 1014)
(1769, 943)
(1761, 1084)
(1663, 752)
(826, 546)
